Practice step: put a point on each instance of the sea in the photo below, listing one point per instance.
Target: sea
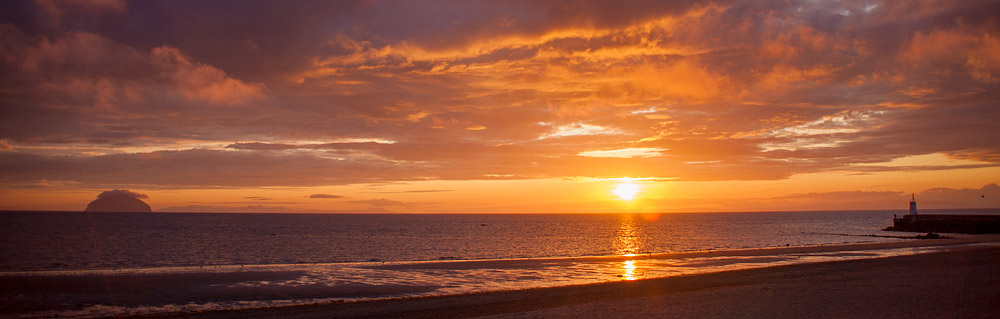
(181, 262)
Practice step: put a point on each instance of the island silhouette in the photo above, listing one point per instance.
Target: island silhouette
(118, 200)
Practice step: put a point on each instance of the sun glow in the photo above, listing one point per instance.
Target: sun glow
(626, 191)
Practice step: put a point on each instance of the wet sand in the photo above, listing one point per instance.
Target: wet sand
(961, 282)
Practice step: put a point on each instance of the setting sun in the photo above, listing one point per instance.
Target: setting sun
(626, 191)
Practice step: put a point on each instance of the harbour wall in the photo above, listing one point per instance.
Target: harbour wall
(960, 224)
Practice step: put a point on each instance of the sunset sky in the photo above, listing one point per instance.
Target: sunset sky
(500, 106)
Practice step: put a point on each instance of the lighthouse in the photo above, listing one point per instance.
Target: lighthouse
(913, 205)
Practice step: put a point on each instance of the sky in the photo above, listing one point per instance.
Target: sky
(500, 106)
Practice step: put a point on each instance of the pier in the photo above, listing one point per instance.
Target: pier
(932, 223)
(959, 224)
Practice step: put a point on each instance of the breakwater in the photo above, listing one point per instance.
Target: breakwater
(960, 224)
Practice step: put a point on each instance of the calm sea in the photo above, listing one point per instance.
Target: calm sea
(100, 265)
(75, 240)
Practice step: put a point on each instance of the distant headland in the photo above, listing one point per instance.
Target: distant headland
(119, 200)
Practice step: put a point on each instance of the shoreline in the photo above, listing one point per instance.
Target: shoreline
(960, 282)
(905, 242)
(187, 291)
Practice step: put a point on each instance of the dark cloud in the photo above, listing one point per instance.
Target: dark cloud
(420, 191)
(992, 189)
(324, 196)
(987, 196)
(201, 168)
(261, 146)
(229, 209)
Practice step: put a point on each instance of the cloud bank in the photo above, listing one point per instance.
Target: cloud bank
(324, 196)
(333, 93)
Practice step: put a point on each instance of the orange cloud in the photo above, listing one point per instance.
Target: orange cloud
(678, 90)
(202, 82)
(977, 49)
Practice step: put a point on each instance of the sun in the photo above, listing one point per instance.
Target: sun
(626, 191)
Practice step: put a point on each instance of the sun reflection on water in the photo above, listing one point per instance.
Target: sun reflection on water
(629, 267)
(628, 240)
(629, 243)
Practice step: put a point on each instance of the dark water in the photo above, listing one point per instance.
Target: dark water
(74, 240)
(103, 265)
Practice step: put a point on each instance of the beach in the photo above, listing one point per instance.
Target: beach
(959, 281)
(916, 277)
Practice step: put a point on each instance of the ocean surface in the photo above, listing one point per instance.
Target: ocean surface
(75, 240)
(87, 265)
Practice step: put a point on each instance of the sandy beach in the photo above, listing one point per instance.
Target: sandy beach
(953, 277)
(960, 282)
